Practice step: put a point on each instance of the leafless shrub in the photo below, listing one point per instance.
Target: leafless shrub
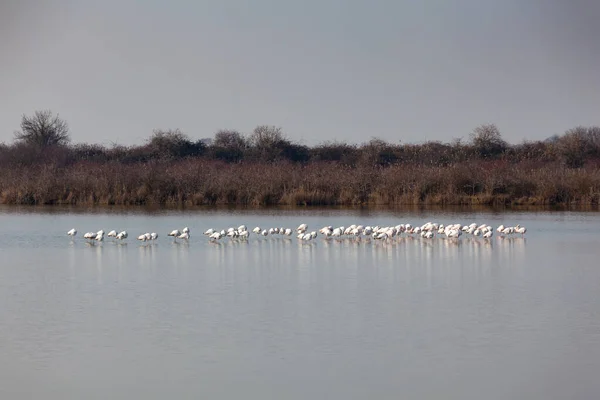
(487, 141)
(43, 129)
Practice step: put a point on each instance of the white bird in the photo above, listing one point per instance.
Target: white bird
(381, 236)
(216, 235)
(232, 234)
(89, 235)
(209, 232)
(142, 237)
(184, 235)
(154, 236)
(175, 233)
(520, 229)
(122, 235)
(488, 234)
(99, 236)
(257, 230)
(112, 233)
(325, 228)
(185, 230)
(72, 232)
(301, 228)
(453, 233)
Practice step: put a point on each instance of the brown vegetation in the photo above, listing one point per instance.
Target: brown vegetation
(266, 168)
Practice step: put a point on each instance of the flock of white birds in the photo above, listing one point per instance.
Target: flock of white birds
(427, 231)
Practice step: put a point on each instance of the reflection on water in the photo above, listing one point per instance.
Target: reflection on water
(275, 317)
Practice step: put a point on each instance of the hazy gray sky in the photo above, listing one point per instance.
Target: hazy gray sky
(348, 70)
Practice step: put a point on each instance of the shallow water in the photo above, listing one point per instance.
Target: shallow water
(411, 318)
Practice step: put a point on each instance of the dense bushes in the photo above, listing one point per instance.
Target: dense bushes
(202, 181)
(266, 168)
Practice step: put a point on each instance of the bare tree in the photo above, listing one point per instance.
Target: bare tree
(579, 143)
(173, 143)
(228, 145)
(268, 142)
(42, 129)
(266, 137)
(164, 138)
(488, 141)
(229, 139)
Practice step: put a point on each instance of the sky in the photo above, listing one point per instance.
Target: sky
(323, 70)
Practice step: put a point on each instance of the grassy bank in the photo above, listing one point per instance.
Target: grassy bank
(191, 182)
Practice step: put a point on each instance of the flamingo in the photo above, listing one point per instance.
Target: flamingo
(72, 232)
(122, 235)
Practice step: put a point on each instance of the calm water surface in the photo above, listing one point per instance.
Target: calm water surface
(278, 319)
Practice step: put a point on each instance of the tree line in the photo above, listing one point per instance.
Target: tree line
(266, 167)
(45, 137)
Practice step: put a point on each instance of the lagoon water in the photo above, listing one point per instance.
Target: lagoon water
(277, 319)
